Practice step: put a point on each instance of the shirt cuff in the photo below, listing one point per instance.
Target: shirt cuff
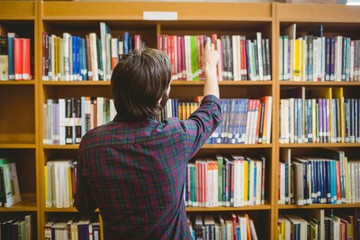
(210, 98)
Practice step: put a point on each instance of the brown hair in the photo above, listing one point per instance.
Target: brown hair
(138, 82)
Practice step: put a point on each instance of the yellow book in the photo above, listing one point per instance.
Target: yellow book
(180, 111)
(297, 61)
(246, 182)
(70, 181)
(46, 179)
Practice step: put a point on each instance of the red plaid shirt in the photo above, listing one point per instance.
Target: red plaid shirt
(134, 172)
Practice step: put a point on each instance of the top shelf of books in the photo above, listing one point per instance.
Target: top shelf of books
(134, 11)
(20, 10)
(312, 13)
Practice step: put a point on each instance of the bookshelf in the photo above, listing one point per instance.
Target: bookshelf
(19, 129)
(336, 20)
(24, 140)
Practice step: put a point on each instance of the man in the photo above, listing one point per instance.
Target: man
(133, 168)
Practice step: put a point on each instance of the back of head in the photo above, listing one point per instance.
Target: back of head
(139, 81)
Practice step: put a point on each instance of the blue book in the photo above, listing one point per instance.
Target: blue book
(232, 121)
(309, 108)
(344, 58)
(322, 177)
(327, 58)
(74, 57)
(328, 181)
(347, 120)
(348, 54)
(11, 59)
(126, 43)
(332, 59)
(300, 120)
(333, 182)
(287, 194)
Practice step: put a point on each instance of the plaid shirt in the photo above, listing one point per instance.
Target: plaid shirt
(134, 172)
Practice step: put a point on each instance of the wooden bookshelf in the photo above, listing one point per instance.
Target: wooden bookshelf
(21, 131)
(337, 20)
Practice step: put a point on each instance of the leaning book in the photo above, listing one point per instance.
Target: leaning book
(10, 191)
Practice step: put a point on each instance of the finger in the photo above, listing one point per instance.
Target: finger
(208, 41)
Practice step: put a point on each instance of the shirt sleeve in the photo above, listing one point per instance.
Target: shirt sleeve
(201, 124)
(84, 201)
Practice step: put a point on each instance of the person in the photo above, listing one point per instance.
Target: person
(133, 169)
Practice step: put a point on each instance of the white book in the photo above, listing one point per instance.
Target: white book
(11, 182)
(252, 184)
(62, 111)
(104, 29)
(108, 68)
(259, 55)
(93, 56)
(258, 165)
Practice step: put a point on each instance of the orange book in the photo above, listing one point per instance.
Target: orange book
(18, 56)
(26, 72)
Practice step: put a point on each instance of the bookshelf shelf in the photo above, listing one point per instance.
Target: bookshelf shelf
(30, 82)
(235, 146)
(27, 204)
(228, 209)
(70, 146)
(21, 10)
(76, 83)
(18, 145)
(317, 206)
(61, 210)
(334, 84)
(320, 145)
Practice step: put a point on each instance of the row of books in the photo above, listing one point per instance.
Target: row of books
(232, 226)
(9, 183)
(15, 55)
(66, 120)
(319, 120)
(18, 228)
(225, 181)
(318, 225)
(72, 229)
(245, 121)
(331, 179)
(75, 58)
(314, 57)
(240, 58)
(60, 183)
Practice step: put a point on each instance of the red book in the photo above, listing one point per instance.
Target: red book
(179, 57)
(18, 56)
(338, 186)
(26, 72)
(88, 57)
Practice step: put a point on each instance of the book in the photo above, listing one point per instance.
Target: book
(11, 182)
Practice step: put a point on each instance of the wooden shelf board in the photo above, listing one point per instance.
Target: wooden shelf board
(319, 206)
(17, 145)
(292, 83)
(206, 146)
(227, 209)
(71, 209)
(173, 83)
(20, 10)
(76, 83)
(28, 203)
(27, 82)
(232, 146)
(134, 11)
(70, 146)
(318, 145)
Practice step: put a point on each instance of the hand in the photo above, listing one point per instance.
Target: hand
(210, 56)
